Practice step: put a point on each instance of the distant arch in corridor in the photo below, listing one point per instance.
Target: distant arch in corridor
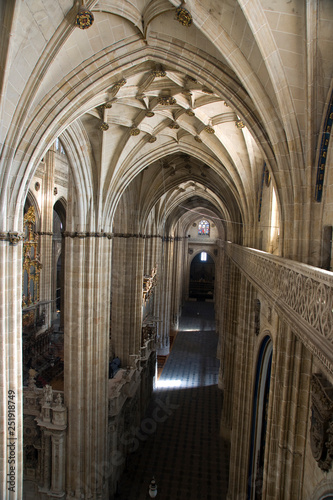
(202, 276)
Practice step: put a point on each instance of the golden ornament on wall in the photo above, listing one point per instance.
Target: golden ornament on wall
(104, 126)
(166, 100)
(209, 129)
(183, 16)
(159, 73)
(239, 124)
(84, 19)
(135, 131)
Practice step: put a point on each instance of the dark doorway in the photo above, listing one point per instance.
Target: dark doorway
(202, 277)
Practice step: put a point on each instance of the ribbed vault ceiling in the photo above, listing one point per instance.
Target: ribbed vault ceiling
(160, 109)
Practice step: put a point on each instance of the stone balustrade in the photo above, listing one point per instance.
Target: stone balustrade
(302, 295)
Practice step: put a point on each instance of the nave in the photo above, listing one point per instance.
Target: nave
(185, 454)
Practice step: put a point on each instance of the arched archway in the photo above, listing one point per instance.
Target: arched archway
(59, 225)
(202, 277)
(259, 419)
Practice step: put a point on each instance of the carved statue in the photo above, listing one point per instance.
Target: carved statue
(58, 401)
(47, 394)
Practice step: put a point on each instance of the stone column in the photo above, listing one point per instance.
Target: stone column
(86, 356)
(127, 286)
(242, 393)
(287, 426)
(177, 282)
(58, 469)
(11, 408)
(46, 466)
(229, 304)
(46, 234)
(163, 296)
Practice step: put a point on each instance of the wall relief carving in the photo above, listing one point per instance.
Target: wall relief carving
(302, 294)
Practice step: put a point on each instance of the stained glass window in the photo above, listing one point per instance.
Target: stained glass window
(203, 228)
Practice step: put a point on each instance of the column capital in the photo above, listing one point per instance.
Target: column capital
(13, 237)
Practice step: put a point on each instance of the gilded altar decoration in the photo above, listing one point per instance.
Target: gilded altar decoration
(183, 16)
(166, 100)
(28, 319)
(84, 19)
(149, 283)
(104, 126)
(31, 262)
(321, 431)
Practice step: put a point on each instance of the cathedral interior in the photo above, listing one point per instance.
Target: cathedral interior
(159, 157)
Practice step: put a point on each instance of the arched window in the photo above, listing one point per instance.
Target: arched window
(59, 147)
(203, 256)
(203, 228)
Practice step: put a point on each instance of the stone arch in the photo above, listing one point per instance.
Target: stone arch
(60, 207)
(202, 287)
(324, 491)
(258, 426)
(51, 118)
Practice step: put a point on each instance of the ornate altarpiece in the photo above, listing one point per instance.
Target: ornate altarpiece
(31, 269)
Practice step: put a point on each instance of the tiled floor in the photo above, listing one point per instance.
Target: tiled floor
(183, 450)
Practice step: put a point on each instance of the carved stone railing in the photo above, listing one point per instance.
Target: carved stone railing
(302, 295)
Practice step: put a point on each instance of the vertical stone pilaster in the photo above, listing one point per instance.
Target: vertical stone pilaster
(177, 282)
(11, 407)
(58, 462)
(127, 286)
(163, 302)
(46, 450)
(230, 302)
(86, 353)
(242, 393)
(46, 234)
(288, 417)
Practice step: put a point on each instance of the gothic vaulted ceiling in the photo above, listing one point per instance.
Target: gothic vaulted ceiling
(183, 104)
